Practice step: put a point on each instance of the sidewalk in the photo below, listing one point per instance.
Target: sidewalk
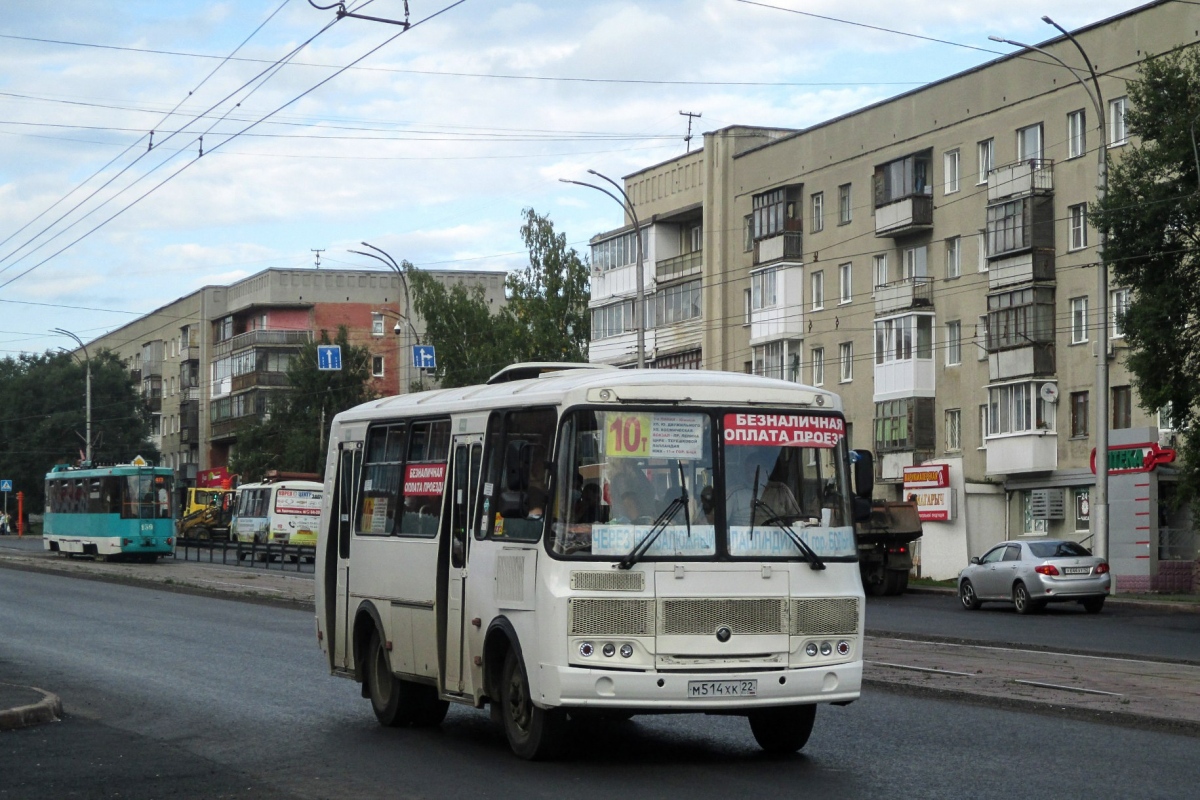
(1126, 691)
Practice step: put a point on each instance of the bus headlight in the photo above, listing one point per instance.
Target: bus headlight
(609, 650)
(810, 649)
(826, 648)
(626, 651)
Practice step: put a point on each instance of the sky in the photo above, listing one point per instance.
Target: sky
(322, 133)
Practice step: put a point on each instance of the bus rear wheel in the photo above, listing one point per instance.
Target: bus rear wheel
(534, 734)
(782, 730)
(399, 703)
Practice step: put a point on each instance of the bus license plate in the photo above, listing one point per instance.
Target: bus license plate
(722, 688)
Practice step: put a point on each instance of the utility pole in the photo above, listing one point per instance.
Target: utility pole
(690, 115)
(318, 257)
(88, 392)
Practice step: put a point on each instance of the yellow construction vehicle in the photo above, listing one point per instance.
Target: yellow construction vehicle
(207, 514)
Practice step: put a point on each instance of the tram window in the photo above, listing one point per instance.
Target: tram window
(519, 444)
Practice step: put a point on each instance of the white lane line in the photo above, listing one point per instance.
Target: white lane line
(242, 586)
(1080, 689)
(1035, 652)
(921, 669)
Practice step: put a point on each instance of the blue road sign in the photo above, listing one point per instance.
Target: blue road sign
(5, 486)
(423, 356)
(329, 356)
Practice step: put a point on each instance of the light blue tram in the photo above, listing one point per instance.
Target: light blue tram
(118, 512)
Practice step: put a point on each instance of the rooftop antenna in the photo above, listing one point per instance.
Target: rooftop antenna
(318, 256)
(690, 115)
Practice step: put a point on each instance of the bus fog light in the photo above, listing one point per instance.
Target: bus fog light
(826, 648)
(810, 649)
(610, 650)
(626, 651)
(843, 648)
(586, 649)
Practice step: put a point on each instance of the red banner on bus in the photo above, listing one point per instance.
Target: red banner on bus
(784, 430)
(424, 479)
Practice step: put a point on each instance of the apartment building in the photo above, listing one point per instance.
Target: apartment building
(929, 258)
(209, 361)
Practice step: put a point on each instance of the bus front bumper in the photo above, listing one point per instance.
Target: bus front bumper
(684, 691)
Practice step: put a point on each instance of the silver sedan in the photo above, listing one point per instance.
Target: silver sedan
(1030, 574)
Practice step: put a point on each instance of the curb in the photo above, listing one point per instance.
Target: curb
(1116, 599)
(48, 709)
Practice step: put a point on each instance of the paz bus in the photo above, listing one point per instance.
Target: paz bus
(117, 512)
(277, 512)
(596, 542)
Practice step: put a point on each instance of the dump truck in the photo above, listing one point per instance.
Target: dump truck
(207, 514)
(885, 546)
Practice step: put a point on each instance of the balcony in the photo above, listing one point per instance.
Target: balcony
(786, 245)
(1032, 176)
(784, 319)
(1036, 358)
(911, 214)
(1033, 451)
(190, 353)
(253, 379)
(904, 294)
(261, 337)
(1019, 224)
(912, 377)
(1033, 265)
(225, 429)
(678, 266)
(622, 348)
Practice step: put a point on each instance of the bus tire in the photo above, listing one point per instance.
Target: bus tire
(534, 734)
(200, 533)
(383, 688)
(784, 729)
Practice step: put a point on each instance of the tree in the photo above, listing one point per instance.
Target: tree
(43, 422)
(291, 437)
(1152, 217)
(548, 299)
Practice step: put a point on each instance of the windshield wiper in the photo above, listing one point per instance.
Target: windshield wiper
(663, 520)
(809, 554)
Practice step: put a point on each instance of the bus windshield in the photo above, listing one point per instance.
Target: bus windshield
(776, 477)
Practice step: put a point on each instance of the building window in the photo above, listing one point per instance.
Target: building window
(763, 289)
(1078, 217)
(845, 273)
(950, 166)
(747, 306)
(768, 360)
(1020, 318)
(1083, 508)
(748, 233)
(768, 213)
(1076, 134)
(881, 270)
(677, 303)
(953, 257)
(1029, 143)
(1079, 320)
(905, 424)
(1032, 526)
(983, 251)
(612, 320)
(1118, 305)
(1018, 408)
(377, 366)
(987, 158)
(983, 426)
(1122, 407)
(818, 290)
(953, 343)
(846, 361)
(953, 430)
(916, 262)
(904, 177)
(376, 323)
(619, 251)
(818, 366)
(1079, 415)
(818, 212)
(895, 338)
(1166, 418)
(981, 337)
(844, 207)
(1118, 133)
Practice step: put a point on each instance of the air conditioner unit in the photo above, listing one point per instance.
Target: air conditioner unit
(1167, 439)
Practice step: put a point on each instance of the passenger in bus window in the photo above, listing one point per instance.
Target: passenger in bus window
(771, 497)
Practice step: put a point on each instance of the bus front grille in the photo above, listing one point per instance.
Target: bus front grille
(682, 617)
(824, 615)
(610, 617)
(610, 581)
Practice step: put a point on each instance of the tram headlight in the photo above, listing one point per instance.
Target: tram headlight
(826, 648)
(810, 649)
(626, 651)
(609, 650)
(586, 649)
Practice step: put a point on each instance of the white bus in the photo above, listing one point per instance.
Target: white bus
(596, 542)
(277, 512)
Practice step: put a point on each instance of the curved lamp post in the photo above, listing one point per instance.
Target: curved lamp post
(386, 258)
(639, 311)
(1099, 504)
(88, 391)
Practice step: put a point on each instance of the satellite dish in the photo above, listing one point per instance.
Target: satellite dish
(1049, 392)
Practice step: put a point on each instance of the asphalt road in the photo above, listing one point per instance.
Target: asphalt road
(170, 695)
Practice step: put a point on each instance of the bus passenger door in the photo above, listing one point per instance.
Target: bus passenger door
(464, 482)
(344, 503)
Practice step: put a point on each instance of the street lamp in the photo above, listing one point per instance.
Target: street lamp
(87, 392)
(639, 311)
(1099, 504)
(390, 262)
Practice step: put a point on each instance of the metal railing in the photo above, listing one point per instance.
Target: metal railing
(253, 554)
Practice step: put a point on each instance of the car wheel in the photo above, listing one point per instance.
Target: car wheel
(1024, 603)
(966, 595)
(533, 733)
(782, 730)
(1093, 604)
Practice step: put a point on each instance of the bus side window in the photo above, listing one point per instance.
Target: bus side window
(424, 483)
(378, 499)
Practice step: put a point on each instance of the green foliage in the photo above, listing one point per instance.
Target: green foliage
(1152, 217)
(545, 317)
(43, 418)
(293, 435)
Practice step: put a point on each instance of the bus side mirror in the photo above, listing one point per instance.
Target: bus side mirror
(861, 508)
(513, 505)
(518, 462)
(863, 462)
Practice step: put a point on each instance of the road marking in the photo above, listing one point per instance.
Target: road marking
(921, 669)
(242, 586)
(1041, 685)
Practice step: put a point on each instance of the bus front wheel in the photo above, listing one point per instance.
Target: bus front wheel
(533, 733)
(784, 729)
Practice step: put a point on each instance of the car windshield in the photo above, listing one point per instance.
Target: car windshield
(1058, 549)
(784, 478)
